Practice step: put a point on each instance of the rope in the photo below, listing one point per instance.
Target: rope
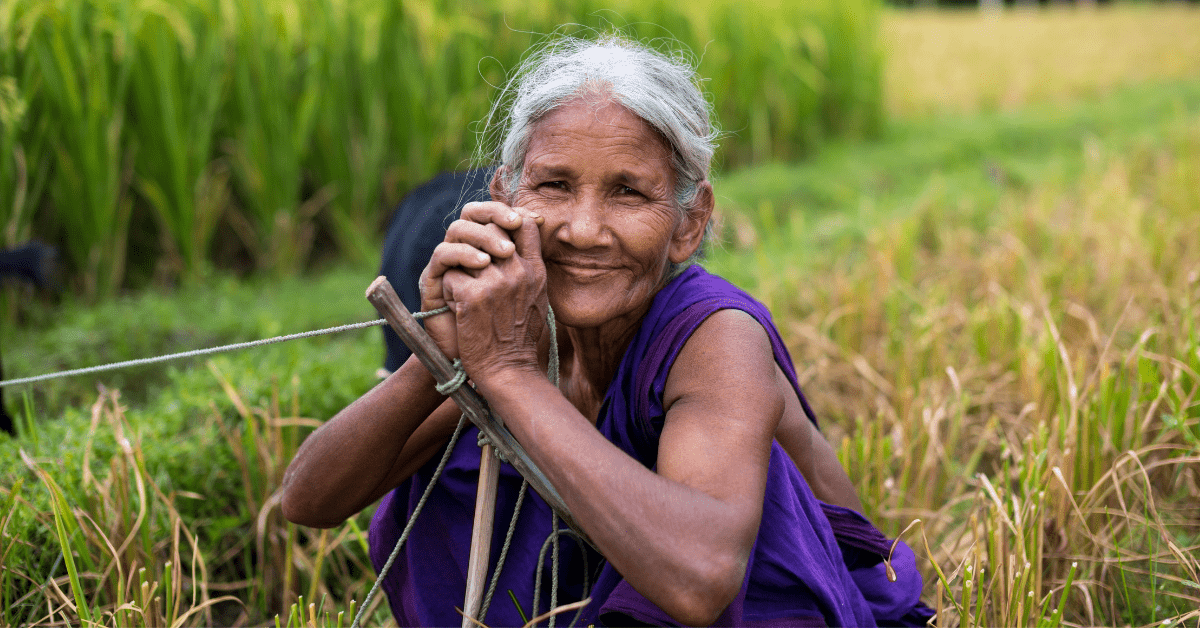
(552, 372)
(210, 351)
(537, 582)
(553, 565)
(512, 527)
(462, 421)
(448, 388)
(455, 382)
(187, 354)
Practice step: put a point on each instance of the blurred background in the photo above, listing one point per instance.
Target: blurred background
(975, 223)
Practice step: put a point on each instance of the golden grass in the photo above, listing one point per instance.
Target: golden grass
(1030, 392)
(969, 61)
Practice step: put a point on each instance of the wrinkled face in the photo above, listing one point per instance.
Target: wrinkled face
(603, 180)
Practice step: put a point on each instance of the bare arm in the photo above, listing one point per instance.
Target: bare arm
(367, 449)
(382, 438)
(682, 536)
(812, 454)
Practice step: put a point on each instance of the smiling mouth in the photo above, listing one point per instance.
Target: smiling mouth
(582, 271)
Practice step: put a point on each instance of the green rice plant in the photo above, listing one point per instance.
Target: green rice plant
(133, 557)
(1025, 386)
(436, 62)
(351, 130)
(276, 556)
(66, 526)
(291, 122)
(314, 615)
(24, 150)
(177, 87)
(275, 97)
(83, 54)
(122, 541)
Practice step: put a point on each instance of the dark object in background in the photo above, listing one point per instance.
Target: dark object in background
(415, 229)
(36, 263)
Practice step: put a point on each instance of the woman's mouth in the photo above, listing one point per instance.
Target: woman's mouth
(581, 270)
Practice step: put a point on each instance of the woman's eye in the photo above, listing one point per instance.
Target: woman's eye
(553, 185)
(625, 190)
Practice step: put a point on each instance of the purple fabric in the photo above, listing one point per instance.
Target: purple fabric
(812, 563)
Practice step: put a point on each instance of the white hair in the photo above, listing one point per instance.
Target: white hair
(663, 91)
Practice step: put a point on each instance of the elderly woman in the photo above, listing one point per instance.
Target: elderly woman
(678, 435)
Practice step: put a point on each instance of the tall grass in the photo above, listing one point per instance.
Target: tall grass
(83, 57)
(1028, 390)
(997, 318)
(293, 124)
(127, 551)
(178, 85)
(1036, 410)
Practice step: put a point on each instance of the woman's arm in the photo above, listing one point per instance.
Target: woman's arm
(682, 536)
(368, 448)
(813, 455)
(382, 438)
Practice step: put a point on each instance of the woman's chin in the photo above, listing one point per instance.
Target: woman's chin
(595, 310)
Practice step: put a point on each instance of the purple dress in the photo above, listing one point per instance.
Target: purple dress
(812, 564)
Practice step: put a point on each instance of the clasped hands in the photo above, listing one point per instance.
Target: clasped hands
(489, 271)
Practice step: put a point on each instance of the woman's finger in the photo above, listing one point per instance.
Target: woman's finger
(496, 213)
(528, 239)
(447, 256)
(489, 238)
(455, 254)
(492, 212)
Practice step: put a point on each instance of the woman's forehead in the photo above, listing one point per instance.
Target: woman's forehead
(588, 134)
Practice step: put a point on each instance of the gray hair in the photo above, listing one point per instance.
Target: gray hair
(662, 90)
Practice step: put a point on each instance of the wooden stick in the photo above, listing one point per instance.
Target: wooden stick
(383, 297)
(481, 535)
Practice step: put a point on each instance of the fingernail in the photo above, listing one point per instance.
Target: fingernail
(483, 257)
(512, 216)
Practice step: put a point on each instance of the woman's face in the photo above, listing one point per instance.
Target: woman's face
(603, 180)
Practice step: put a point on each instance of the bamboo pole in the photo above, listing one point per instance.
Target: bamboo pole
(481, 536)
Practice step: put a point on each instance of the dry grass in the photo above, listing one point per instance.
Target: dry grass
(964, 62)
(1030, 392)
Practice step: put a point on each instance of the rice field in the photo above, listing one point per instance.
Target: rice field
(946, 62)
(155, 141)
(995, 309)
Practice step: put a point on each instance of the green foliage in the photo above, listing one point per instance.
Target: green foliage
(82, 59)
(143, 490)
(995, 316)
(264, 130)
(177, 87)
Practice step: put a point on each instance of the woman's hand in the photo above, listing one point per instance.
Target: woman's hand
(471, 243)
(483, 259)
(500, 310)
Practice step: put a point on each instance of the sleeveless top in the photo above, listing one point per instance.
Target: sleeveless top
(812, 563)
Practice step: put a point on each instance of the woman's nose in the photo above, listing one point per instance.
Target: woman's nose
(583, 223)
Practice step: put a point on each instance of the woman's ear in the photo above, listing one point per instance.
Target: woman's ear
(498, 188)
(690, 232)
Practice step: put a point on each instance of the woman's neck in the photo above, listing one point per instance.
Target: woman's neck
(590, 358)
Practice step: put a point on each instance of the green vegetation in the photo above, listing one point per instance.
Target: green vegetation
(159, 139)
(995, 314)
